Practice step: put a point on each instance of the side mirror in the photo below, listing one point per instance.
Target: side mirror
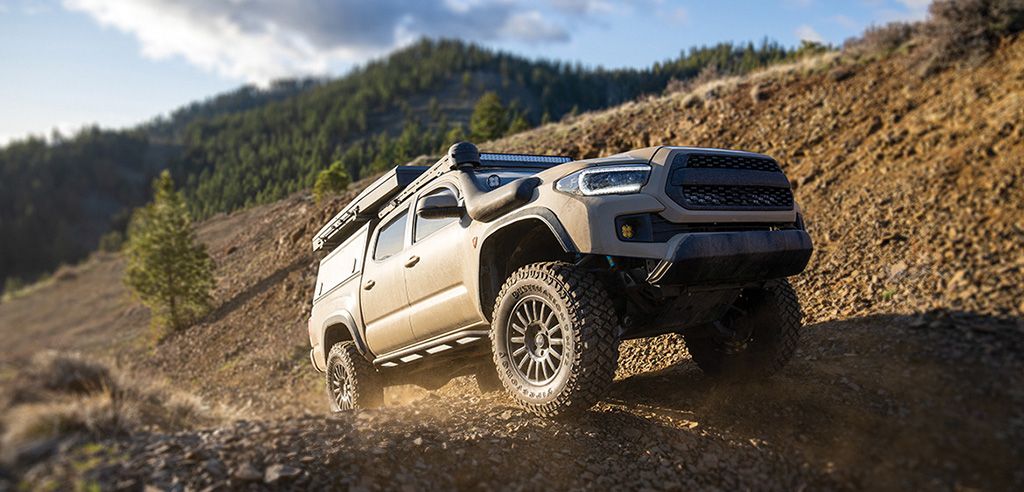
(439, 207)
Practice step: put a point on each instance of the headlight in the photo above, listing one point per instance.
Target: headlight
(605, 180)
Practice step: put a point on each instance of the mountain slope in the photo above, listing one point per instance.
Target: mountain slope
(253, 146)
(909, 376)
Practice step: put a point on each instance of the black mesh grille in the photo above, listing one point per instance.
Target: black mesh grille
(727, 161)
(756, 197)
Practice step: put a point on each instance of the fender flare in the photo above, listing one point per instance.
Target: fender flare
(543, 214)
(344, 318)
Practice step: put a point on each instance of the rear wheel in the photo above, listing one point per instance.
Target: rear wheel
(554, 338)
(352, 381)
(755, 339)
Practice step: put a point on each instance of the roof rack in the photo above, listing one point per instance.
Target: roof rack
(365, 205)
(399, 184)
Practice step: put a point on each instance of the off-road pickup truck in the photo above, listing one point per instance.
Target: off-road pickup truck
(527, 272)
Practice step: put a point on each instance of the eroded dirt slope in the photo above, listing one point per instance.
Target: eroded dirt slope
(911, 374)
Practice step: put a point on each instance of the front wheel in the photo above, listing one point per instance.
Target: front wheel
(352, 381)
(554, 338)
(755, 339)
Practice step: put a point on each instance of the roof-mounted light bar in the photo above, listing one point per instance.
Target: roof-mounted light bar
(525, 158)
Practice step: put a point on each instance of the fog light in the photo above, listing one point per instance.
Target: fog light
(634, 228)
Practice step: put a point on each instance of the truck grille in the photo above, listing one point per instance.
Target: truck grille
(727, 161)
(747, 197)
(727, 181)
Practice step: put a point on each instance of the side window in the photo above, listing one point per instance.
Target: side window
(341, 263)
(390, 238)
(425, 227)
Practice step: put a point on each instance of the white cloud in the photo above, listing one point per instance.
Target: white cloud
(846, 22)
(919, 5)
(914, 10)
(532, 27)
(260, 40)
(679, 15)
(807, 33)
(584, 7)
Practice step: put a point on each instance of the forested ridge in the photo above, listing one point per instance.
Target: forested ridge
(252, 145)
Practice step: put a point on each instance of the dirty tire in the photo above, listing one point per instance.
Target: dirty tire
(772, 314)
(584, 341)
(352, 381)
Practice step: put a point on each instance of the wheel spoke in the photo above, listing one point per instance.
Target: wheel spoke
(543, 368)
(522, 361)
(549, 362)
(535, 340)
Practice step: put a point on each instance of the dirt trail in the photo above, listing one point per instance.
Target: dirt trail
(910, 376)
(876, 402)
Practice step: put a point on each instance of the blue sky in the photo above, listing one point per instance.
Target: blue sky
(66, 63)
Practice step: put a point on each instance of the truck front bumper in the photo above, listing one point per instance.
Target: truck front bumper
(733, 257)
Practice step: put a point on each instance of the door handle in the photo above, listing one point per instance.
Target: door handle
(369, 284)
(412, 261)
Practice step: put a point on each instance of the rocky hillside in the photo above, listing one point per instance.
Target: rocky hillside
(910, 375)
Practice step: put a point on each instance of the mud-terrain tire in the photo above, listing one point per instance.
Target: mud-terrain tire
(352, 381)
(554, 338)
(771, 315)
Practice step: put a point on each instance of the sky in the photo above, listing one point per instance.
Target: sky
(116, 63)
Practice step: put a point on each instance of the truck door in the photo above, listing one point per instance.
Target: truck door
(436, 269)
(382, 294)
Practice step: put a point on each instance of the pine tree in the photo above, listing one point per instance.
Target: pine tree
(456, 134)
(331, 180)
(519, 124)
(168, 268)
(489, 119)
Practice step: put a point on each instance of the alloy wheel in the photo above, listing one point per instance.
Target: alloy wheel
(536, 340)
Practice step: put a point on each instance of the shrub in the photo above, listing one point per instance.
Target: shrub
(112, 241)
(969, 30)
(58, 394)
(881, 40)
(66, 373)
(12, 285)
(330, 181)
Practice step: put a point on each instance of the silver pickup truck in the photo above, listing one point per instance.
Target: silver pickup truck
(527, 271)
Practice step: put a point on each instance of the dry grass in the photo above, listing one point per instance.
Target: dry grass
(881, 41)
(967, 31)
(957, 32)
(58, 394)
